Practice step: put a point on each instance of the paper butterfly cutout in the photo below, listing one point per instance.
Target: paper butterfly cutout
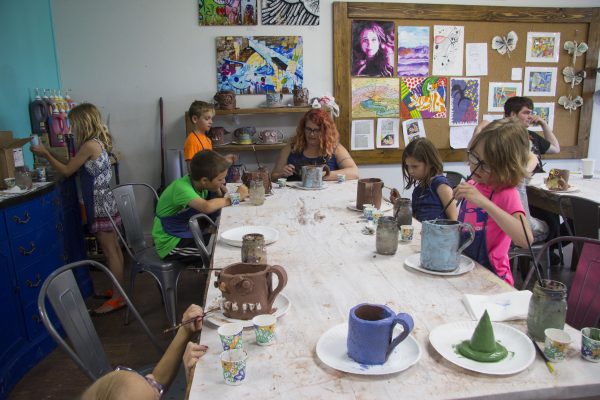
(572, 77)
(569, 103)
(505, 44)
(575, 48)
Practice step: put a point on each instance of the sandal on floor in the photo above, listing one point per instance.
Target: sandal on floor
(105, 294)
(109, 306)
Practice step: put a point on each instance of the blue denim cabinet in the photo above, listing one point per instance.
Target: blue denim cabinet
(37, 235)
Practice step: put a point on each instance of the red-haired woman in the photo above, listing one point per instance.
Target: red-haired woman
(317, 142)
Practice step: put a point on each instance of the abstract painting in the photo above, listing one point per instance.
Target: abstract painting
(499, 92)
(373, 48)
(546, 112)
(227, 12)
(375, 97)
(448, 49)
(464, 101)
(413, 51)
(260, 64)
(423, 97)
(290, 12)
(540, 81)
(542, 47)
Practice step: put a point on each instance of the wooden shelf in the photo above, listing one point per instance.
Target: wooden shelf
(263, 110)
(248, 147)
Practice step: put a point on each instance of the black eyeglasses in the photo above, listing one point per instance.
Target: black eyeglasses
(310, 131)
(473, 159)
(159, 388)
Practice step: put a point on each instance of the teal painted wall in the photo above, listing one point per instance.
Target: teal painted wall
(27, 60)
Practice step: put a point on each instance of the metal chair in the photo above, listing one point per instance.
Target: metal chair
(144, 257)
(85, 348)
(585, 219)
(206, 250)
(583, 301)
(454, 178)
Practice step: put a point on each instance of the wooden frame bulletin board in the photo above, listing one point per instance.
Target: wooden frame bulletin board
(481, 24)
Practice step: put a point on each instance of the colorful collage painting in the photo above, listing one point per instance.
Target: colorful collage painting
(413, 51)
(540, 81)
(464, 101)
(499, 92)
(260, 64)
(290, 12)
(542, 47)
(227, 12)
(375, 97)
(546, 112)
(423, 97)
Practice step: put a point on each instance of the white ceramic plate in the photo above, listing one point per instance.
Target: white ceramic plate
(332, 350)
(570, 189)
(233, 237)
(521, 352)
(282, 304)
(298, 185)
(465, 265)
(241, 144)
(385, 206)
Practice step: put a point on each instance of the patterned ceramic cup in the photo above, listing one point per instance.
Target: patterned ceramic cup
(368, 211)
(281, 182)
(264, 328)
(235, 198)
(341, 178)
(231, 335)
(406, 233)
(556, 344)
(234, 366)
(590, 344)
(376, 215)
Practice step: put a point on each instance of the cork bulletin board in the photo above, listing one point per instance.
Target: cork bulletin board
(481, 24)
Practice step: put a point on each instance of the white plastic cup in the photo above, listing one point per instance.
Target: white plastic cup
(587, 165)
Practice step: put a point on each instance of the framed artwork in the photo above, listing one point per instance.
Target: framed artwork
(464, 101)
(540, 81)
(388, 133)
(413, 51)
(448, 50)
(231, 12)
(375, 97)
(290, 12)
(542, 47)
(412, 129)
(544, 111)
(423, 97)
(373, 48)
(499, 92)
(259, 64)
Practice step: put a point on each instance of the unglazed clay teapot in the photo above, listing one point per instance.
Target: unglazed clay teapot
(248, 289)
(225, 99)
(261, 173)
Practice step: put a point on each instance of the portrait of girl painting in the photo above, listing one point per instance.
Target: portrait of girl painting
(373, 48)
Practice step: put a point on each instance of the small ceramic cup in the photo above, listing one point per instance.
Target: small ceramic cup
(590, 344)
(234, 366)
(10, 182)
(281, 182)
(368, 211)
(235, 198)
(406, 233)
(376, 215)
(341, 178)
(556, 344)
(231, 335)
(264, 328)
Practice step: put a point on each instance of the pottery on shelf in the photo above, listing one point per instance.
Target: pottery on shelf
(225, 100)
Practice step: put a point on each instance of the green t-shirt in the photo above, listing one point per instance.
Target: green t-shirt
(175, 198)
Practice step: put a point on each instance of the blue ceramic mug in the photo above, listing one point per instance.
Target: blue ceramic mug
(370, 329)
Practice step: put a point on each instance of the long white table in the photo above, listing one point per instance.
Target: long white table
(331, 267)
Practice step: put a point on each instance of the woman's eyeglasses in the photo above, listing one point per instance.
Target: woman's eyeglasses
(473, 159)
(310, 131)
(159, 388)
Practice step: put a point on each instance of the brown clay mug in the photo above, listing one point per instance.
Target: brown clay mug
(369, 191)
(261, 173)
(217, 134)
(300, 96)
(225, 99)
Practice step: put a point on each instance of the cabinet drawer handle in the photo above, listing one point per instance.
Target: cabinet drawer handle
(27, 252)
(38, 280)
(36, 318)
(22, 221)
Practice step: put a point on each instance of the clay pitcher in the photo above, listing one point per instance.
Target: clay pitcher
(312, 175)
(300, 96)
(248, 289)
(217, 134)
(261, 173)
(369, 191)
(441, 244)
(225, 100)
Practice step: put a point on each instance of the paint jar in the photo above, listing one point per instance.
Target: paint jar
(403, 212)
(547, 308)
(386, 236)
(254, 249)
(257, 192)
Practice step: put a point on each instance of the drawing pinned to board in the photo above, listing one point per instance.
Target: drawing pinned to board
(290, 12)
(575, 49)
(362, 135)
(505, 44)
(464, 101)
(229, 12)
(260, 64)
(423, 97)
(499, 92)
(540, 81)
(388, 133)
(542, 47)
(373, 48)
(375, 97)
(448, 49)
(572, 77)
(412, 129)
(546, 112)
(413, 50)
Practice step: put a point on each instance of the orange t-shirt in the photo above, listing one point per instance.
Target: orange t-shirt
(194, 143)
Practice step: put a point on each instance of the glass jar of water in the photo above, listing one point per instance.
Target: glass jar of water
(547, 308)
(386, 236)
(257, 192)
(403, 211)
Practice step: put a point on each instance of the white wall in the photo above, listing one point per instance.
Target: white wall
(123, 55)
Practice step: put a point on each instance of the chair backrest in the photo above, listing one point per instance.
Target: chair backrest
(205, 250)
(454, 178)
(85, 348)
(585, 216)
(126, 203)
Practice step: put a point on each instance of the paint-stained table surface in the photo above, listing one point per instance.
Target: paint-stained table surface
(331, 267)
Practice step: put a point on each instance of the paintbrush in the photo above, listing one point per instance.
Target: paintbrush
(189, 321)
(256, 156)
(535, 264)
(453, 196)
(541, 353)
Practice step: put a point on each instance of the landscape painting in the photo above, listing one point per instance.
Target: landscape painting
(375, 97)
(413, 51)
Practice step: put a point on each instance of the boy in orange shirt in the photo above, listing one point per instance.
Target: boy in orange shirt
(201, 114)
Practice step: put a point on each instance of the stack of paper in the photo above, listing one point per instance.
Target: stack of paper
(500, 307)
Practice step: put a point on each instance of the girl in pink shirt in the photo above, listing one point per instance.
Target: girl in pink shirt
(497, 157)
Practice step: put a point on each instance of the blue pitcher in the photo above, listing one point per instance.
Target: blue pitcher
(440, 244)
(370, 329)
